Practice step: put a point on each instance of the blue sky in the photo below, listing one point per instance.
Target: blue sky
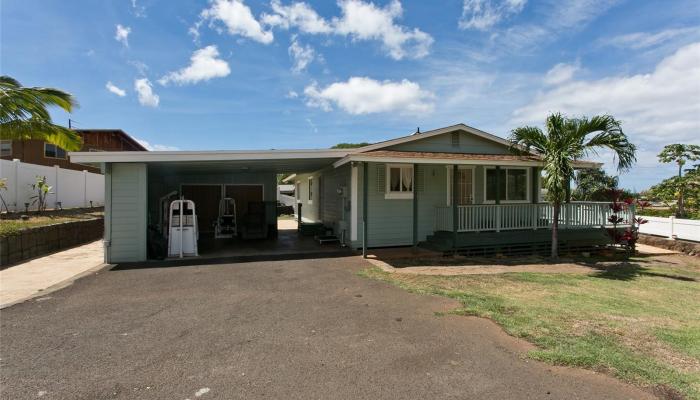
(235, 74)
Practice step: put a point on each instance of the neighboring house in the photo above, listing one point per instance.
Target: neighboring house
(394, 193)
(42, 153)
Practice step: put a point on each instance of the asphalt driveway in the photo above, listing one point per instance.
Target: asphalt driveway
(303, 329)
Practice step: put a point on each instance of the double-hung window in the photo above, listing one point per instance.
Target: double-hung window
(399, 182)
(512, 184)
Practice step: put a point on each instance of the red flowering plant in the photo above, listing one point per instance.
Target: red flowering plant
(628, 237)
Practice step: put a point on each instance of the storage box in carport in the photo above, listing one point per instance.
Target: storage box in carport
(312, 229)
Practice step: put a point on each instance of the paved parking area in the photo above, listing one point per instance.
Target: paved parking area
(302, 329)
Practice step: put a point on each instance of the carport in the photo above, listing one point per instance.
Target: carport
(139, 184)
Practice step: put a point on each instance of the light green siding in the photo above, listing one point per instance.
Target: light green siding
(309, 207)
(466, 143)
(335, 207)
(126, 235)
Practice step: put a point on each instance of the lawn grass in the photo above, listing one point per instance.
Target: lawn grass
(639, 321)
(12, 226)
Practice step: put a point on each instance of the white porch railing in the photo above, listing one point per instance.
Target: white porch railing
(502, 217)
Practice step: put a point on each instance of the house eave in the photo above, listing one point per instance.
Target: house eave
(186, 156)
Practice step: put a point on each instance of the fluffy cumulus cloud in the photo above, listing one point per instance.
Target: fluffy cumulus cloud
(301, 55)
(156, 147)
(299, 15)
(361, 95)
(359, 20)
(560, 73)
(122, 34)
(484, 14)
(204, 65)
(236, 17)
(655, 107)
(144, 90)
(115, 89)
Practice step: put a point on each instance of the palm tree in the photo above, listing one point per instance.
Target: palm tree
(568, 140)
(24, 114)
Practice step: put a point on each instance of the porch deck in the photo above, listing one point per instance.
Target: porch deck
(521, 228)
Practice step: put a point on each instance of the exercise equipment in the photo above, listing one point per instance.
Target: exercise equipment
(182, 233)
(226, 225)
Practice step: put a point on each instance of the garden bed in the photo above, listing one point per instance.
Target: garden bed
(23, 239)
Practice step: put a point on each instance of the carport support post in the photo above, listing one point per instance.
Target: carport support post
(415, 205)
(365, 185)
(455, 214)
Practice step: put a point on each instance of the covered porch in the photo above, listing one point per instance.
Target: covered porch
(459, 202)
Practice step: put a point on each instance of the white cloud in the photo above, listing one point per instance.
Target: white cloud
(156, 147)
(642, 40)
(301, 55)
(297, 14)
(656, 107)
(204, 65)
(560, 73)
(122, 34)
(359, 21)
(237, 18)
(114, 89)
(292, 95)
(361, 95)
(483, 14)
(145, 93)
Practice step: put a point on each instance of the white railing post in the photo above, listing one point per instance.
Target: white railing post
(672, 224)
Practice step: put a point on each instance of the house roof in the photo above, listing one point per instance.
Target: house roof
(119, 132)
(435, 132)
(338, 157)
(414, 157)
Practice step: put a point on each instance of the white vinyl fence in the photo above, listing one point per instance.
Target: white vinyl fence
(671, 227)
(69, 187)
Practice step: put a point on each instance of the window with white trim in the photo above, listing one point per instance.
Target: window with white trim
(5, 148)
(399, 181)
(53, 151)
(465, 186)
(310, 200)
(513, 184)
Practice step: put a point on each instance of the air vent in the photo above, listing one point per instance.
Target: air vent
(455, 139)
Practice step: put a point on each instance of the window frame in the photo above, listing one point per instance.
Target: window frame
(449, 183)
(505, 200)
(6, 141)
(56, 148)
(309, 190)
(398, 195)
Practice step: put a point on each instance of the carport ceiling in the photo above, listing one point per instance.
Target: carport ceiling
(278, 166)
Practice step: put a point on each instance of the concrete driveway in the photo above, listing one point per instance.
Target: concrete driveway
(303, 329)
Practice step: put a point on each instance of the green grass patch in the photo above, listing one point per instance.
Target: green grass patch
(13, 225)
(639, 320)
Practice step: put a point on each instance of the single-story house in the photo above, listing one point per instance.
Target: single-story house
(399, 192)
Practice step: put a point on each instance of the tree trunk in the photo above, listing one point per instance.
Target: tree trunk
(680, 211)
(555, 232)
